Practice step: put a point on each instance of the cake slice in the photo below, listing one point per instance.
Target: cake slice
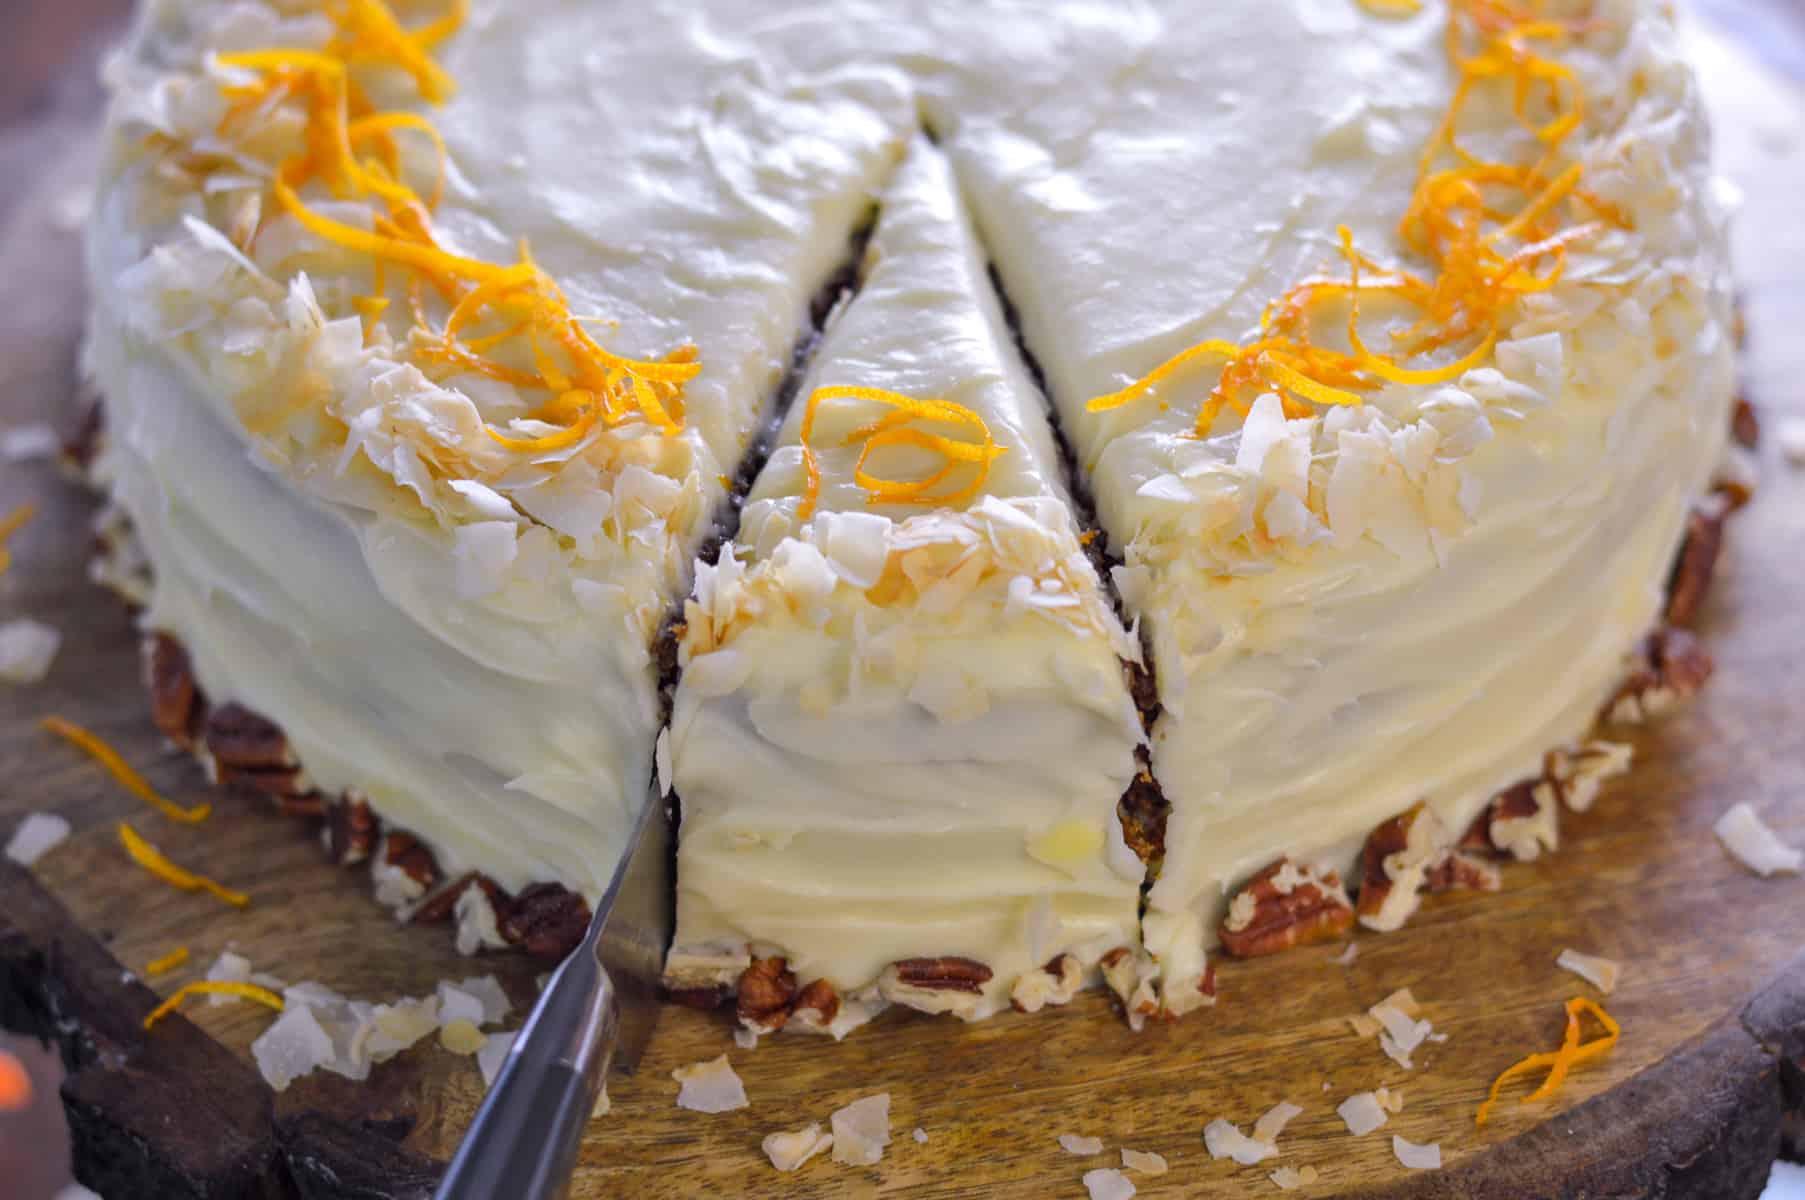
(903, 724)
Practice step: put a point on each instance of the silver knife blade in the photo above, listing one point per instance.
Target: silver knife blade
(633, 925)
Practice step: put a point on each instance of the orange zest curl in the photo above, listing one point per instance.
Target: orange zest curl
(166, 963)
(1560, 1062)
(213, 987)
(152, 860)
(117, 767)
(895, 429)
(10, 524)
(1485, 253)
(351, 153)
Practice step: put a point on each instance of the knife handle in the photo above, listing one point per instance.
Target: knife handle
(524, 1140)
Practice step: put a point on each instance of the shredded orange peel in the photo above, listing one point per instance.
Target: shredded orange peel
(152, 860)
(213, 987)
(1484, 258)
(896, 429)
(351, 154)
(1559, 1062)
(166, 963)
(117, 767)
(10, 524)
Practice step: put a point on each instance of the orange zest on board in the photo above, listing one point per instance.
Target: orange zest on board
(1490, 232)
(1559, 1062)
(15, 1083)
(152, 860)
(117, 767)
(166, 963)
(213, 987)
(10, 524)
(898, 428)
(511, 322)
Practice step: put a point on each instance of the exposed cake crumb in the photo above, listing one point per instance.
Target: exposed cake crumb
(1269, 1126)
(27, 648)
(1071, 1143)
(461, 1037)
(787, 1151)
(1224, 1140)
(1107, 1183)
(1146, 1162)
(1362, 1112)
(862, 1130)
(37, 835)
(1290, 1179)
(1758, 847)
(1417, 1158)
(492, 1055)
(710, 1087)
(22, 443)
(1601, 973)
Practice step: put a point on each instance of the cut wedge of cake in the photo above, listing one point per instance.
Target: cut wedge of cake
(903, 724)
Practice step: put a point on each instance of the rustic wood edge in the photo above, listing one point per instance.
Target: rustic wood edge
(1705, 1122)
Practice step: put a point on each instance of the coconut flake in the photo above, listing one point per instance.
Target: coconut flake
(1072, 1143)
(1417, 1158)
(36, 836)
(1146, 1162)
(862, 1130)
(1107, 1183)
(1392, 1102)
(1268, 1127)
(1291, 1178)
(1224, 1140)
(462, 1037)
(1362, 1112)
(22, 443)
(921, 1135)
(1790, 435)
(710, 1087)
(1347, 956)
(294, 1046)
(1601, 973)
(787, 1151)
(493, 1053)
(482, 553)
(1755, 845)
(744, 1038)
(27, 648)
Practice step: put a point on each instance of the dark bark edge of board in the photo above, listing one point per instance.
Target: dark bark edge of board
(177, 1115)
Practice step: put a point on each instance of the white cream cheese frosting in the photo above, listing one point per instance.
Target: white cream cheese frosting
(899, 733)
(1407, 599)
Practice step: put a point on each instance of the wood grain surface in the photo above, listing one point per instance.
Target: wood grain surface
(1639, 879)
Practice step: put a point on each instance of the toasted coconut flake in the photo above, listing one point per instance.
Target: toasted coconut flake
(1390, 1101)
(37, 835)
(710, 1087)
(745, 1038)
(787, 1151)
(1745, 835)
(1268, 1127)
(1289, 1179)
(1417, 1158)
(1363, 1113)
(1348, 955)
(1601, 973)
(462, 1037)
(921, 1135)
(1225, 1140)
(27, 648)
(1146, 1162)
(1072, 1143)
(1791, 438)
(493, 1053)
(862, 1130)
(294, 1046)
(478, 999)
(1107, 1183)
(23, 443)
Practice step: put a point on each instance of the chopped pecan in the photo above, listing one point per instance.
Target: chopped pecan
(1206, 983)
(83, 445)
(1477, 840)
(407, 854)
(816, 1005)
(1579, 773)
(935, 985)
(1055, 983)
(766, 990)
(548, 919)
(1673, 667)
(1395, 864)
(1284, 906)
(1525, 819)
(1131, 977)
(238, 737)
(443, 903)
(313, 804)
(1690, 581)
(1455, 871)
(176, 706)
(705, 998)
(350, 833)
(1745, 422)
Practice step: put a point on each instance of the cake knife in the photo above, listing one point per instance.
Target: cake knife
(598, 1008)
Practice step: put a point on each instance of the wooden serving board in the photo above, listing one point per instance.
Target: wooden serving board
(1692, 1102)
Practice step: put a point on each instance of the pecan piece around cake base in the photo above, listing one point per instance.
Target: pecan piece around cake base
(947, 984)
(1283, 906)
(547, 920)
(766, 991)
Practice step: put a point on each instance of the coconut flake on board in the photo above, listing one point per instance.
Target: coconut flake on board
(862, 1130)
(1145, 1162)
(1363, 1113)
(1107, 1183)
(1223, 1139)
(37, 835)
(1745, 835)
(1601, 973)
(710, 1087)
(27, 648)
(1289, 1179)
(1071, 1143)
(1417, 1158)
(787, 1151)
